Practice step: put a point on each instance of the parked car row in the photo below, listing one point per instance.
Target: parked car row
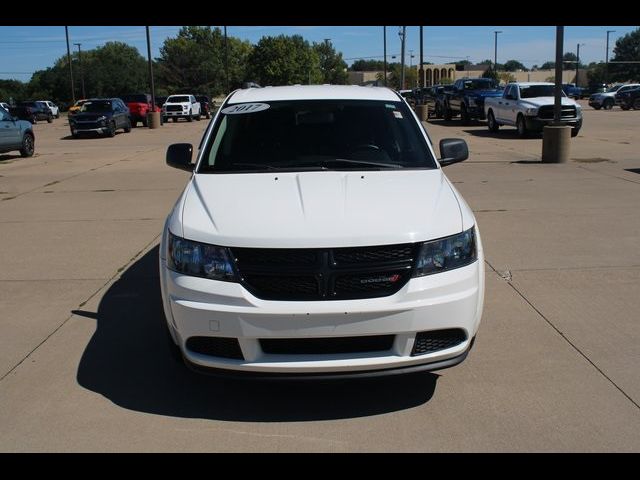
(15, 134)
(32, 111)
(607, 99)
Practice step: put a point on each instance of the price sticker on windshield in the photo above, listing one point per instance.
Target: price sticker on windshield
(245, 108)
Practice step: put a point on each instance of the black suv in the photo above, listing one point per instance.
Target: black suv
(32, 111)
(629, 99)
(101, 115)
(205, 105)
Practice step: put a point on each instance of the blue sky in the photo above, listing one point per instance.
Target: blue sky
(24, 49)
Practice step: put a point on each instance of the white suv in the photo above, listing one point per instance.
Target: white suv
(53, 107)
(318, 235)
(181, 106)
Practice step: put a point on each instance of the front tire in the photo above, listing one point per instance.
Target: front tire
(574, 132)
(597, 107)
(127, 127)
(447, 114)
(636, 104)
(607, 104)
(190, 117)
(50, 119)
(491, 122)
(464, 115)
(111, 132)
(145, 122)
(28, 145)
(624, 107)
(522, 127)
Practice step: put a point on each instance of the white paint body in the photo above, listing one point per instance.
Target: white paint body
(190, 109)
(311, 210)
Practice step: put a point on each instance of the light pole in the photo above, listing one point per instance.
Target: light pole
(421, 72)
(578, 61)
(226, 58)
(411, 57)
(81, 70)
(153, 117)
(402, 33)
(73, 91)
(384, 41)
(495, 50)
(606, 64)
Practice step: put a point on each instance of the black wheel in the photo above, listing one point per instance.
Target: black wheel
(521, 126)
(189, 118)
(608, 104)
(447, 114)
(491, 122)
(111, 131)
(175, 119)
(164, 119)
(438, 111)
(33, 120)
(127, 126)
(464, 115)
(636, 104)
(597, 107)
(145, 122)
(574, 132)
(28, 145)
(198, 117)
(624, 107)
(208, 115)
(50, 119)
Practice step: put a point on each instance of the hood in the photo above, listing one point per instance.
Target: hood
(319, 209)
(540, 101)
(486, 93)
(91, 116)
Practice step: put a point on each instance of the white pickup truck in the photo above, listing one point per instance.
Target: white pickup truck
(181, 106)
(528, 106)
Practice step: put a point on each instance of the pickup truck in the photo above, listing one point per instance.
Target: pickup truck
(573, 91)
(181, 106)
(139, 105)
(529, 107)
(467, 98)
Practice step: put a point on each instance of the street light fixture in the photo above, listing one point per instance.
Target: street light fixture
(606, 66)
(495, 49)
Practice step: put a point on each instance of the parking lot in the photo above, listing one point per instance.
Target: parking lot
(85, 365)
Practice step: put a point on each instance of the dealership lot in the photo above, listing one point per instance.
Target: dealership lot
(84, 363)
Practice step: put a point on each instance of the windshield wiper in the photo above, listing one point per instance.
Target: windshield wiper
(278, 168)
(363, 163)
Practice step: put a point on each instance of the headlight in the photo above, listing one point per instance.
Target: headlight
(200, 259)
(185, 107)
(446, 254)
(531, 112)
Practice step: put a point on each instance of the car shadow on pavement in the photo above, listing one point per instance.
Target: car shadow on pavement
(87, 136)
(128, 360)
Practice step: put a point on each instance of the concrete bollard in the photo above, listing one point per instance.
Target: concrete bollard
(556, 143)
(153, 119)
(421, 112)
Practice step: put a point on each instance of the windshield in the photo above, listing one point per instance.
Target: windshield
(96, 106)
(533, 91)
(178, 99)
(134, 98)
(316, 135)
(480, 84)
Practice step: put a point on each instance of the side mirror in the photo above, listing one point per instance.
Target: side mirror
(179, 156)
(453, 150)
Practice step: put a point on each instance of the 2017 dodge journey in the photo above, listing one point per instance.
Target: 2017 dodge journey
(318, 236)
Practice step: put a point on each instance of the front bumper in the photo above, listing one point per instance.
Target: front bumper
(175, 114)
(198, 307)
(537, 124)
(79, 128)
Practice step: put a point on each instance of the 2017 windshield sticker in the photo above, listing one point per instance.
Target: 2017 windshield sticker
(245, 108)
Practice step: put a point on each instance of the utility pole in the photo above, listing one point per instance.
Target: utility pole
(153, 117)
(421, 61)
(495, 50)
(226, 58)
(384, 41)
(73, 91)
(578, 62)
(84, 95)
(402, 33)
(606, 65)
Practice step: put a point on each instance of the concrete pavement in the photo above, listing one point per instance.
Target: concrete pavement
(84, 364)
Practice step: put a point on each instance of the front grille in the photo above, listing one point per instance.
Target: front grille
(325, 274)
(429, 342)
(326, 345)
(546, 112)
(224, 347)
(174, 108)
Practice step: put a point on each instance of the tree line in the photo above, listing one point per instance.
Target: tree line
(195, 61)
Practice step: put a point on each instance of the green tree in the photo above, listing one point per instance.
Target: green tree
(367, 66)
(596, 72)
(548, 66)
(113, 69)
(514, 65)
(333, 67)
(194, 61)
(627, 49)
(12, 89)
(410, 76)
(490, 73)
(285, 60)
(569, 61)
